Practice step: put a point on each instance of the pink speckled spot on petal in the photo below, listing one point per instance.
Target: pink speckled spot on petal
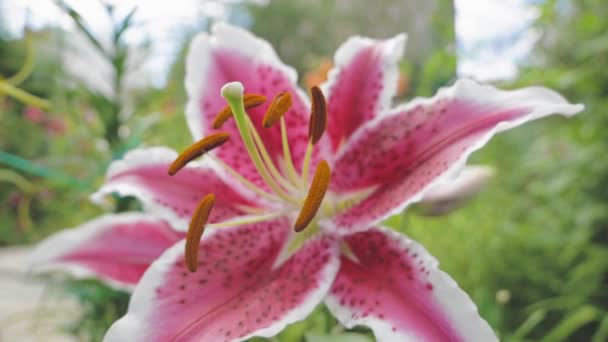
(236, 292)
(227, 66)
(405, 152)
(122, 251)
(395, 289)
(362, 85)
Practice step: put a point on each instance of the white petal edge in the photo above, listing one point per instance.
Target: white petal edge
(224, 35)
(67, 240)
(547, 102)
(456, 303)
(392, 51)
(130, 327)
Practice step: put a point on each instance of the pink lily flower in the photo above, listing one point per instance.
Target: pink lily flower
(117, 248)
(252, 274)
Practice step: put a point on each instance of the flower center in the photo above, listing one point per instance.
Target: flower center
(289, 186)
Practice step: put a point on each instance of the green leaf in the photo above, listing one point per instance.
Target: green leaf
(572, 322)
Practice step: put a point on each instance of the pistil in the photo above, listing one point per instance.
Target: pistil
(233, 93)
(249, 101)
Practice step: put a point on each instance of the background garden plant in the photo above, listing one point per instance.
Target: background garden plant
(530, 249)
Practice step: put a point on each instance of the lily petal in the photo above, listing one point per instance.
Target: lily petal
(418, 145)
(143, 173)
(362, 83)
(236, 292)
(233, 54)
(396, 289)
(116, 248)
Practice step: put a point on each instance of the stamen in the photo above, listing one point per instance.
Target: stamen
(249, 101)
(306, 162)
(246, 220)
(346, 251)
(353, 199)
(233, 93)
(244, 180)
(266, 158)
(318, 188)
(197, 149)
(279, 106)
(318, 115)
(291, 170)
(195, 231)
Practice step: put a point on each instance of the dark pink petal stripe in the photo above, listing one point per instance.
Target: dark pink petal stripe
(362, 84)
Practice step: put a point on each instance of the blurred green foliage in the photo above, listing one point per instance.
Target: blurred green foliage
(312, 30)
(531, 250)
(33, 190)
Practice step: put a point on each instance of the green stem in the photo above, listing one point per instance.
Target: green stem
(18, 180)
(23, 96)
(28, 65)
(31, 168)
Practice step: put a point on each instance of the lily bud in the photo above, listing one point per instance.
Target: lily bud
(452, 194)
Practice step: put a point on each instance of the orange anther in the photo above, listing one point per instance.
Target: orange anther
(198, 149)
(195, 231)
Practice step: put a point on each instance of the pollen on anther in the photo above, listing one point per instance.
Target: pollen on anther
(316, 193)
(318, 115)
(249, 101)
(197, 149)
(279, 106)
(195, 231)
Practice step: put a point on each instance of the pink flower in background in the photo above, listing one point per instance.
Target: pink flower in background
(254, 273)
(56, 126)
(34, 114)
